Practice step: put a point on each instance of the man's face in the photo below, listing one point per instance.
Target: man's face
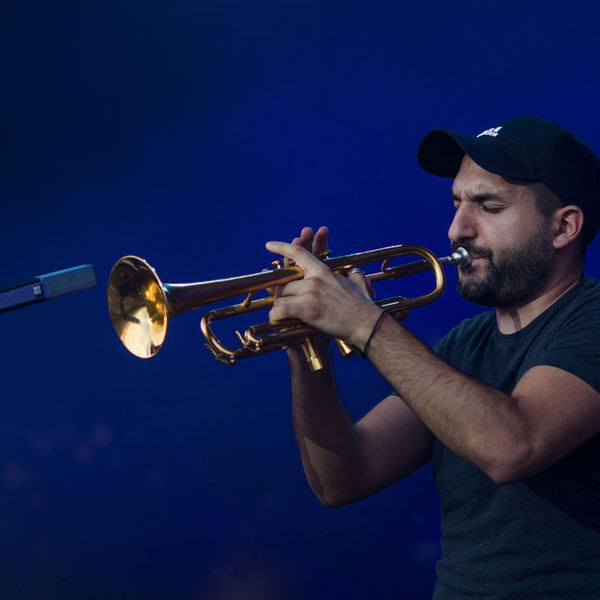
(497, 222)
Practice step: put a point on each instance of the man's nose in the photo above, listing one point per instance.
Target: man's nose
(463, 225)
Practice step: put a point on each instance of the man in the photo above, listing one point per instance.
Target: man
(508, 404)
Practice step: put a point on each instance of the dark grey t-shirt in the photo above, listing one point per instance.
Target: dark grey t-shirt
(540, 538)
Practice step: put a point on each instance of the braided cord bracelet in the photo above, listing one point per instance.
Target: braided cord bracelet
(363, 354)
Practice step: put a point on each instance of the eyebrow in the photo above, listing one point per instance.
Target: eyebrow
(481, 197)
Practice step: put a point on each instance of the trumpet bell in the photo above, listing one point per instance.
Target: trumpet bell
(138, 306)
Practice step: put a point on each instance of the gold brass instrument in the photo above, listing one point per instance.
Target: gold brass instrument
(141, 306)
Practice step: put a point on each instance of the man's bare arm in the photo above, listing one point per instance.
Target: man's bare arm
(510, 437)
(344, 461)
(550, 413)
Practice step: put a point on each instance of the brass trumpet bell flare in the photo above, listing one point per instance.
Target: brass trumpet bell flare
(138, 306)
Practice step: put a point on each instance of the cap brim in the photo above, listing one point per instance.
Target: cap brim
(441, 153)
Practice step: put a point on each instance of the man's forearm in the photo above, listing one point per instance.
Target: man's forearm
(476, 421)
(327, 438)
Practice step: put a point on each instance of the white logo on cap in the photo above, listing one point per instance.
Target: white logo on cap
(493, 132)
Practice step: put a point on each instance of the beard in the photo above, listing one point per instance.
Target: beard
(513, 276)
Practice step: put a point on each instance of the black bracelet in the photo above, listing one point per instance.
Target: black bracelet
(363, 354)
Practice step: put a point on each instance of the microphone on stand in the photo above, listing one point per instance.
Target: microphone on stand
(44, 287)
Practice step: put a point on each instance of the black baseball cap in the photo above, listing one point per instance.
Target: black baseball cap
(524, 148)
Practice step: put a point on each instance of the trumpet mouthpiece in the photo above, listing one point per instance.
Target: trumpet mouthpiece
(461, 257)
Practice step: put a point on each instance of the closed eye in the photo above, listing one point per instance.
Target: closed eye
(490, 209)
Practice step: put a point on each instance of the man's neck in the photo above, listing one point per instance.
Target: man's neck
(513, 319)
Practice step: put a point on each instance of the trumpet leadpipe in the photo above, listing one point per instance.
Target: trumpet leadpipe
(459, 258)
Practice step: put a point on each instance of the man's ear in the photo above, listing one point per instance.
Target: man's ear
(568, 222)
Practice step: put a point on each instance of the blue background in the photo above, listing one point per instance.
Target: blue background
(190, 133)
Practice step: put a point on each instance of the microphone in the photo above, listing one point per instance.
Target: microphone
(44, 287)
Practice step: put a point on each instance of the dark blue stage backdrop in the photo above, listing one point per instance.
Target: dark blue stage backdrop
(190, 133)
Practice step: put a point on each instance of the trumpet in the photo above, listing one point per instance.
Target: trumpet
(141, 306)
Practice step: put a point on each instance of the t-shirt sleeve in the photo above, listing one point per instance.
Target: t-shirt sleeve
(575, 345)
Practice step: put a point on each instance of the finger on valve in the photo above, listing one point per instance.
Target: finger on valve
(315, 243)
(320, 242)
(305, 240)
